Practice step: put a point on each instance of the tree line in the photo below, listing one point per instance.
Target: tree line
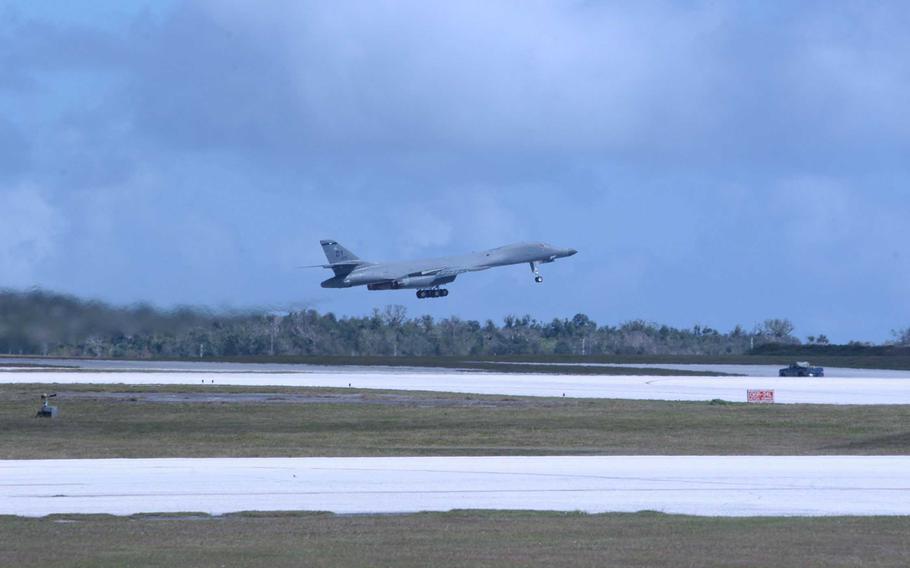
(46, 323)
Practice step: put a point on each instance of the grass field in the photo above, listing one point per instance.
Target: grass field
(461, 538)
(99, 421)
(202, 421)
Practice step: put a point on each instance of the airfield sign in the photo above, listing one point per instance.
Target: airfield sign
(760, 395)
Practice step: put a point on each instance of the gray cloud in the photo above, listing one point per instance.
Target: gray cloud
(14, 150)
(463, 79)
(29, 233)
(696, 154)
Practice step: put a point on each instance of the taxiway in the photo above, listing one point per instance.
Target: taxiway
(697, 485)
(827, 390)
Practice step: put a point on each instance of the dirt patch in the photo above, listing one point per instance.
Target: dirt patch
(890, 442)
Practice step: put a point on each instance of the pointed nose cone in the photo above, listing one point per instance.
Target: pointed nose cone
(570, 252)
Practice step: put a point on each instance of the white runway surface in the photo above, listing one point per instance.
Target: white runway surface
(748, 370)
(220, 367)
(698, 485)
(202, 366)
(827, 390)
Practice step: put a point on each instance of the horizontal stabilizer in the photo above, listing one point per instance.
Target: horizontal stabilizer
(345, 264)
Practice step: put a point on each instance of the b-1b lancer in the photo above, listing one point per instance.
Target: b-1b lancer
(428, 275)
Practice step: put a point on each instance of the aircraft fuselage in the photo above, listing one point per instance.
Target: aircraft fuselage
(434, 272)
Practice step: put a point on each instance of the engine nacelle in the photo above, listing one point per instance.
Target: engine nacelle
(412, 282)
(335, 282)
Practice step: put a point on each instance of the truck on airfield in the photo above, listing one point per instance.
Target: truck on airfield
(802, 369)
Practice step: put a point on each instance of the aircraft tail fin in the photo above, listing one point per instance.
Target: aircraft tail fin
(335, 253)
(341, 260)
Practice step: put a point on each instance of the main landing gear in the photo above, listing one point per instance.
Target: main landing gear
(537, 277)
(432, 293)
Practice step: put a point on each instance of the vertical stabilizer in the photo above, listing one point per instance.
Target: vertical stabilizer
(335, 253)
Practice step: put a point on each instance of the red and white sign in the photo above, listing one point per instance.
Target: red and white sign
(760, 395)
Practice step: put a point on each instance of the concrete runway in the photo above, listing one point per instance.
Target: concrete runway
(201, 366)
(222, 367)
(827, 390)
(747, 370)
(697, 485)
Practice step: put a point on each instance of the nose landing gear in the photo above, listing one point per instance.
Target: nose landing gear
(537, 277)
(432, 293)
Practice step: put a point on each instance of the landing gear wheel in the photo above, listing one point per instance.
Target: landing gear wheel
(432, 293)
(537, 277)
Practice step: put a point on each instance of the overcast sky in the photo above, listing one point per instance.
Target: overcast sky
(714, 163)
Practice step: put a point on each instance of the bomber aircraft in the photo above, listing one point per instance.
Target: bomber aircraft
(428, 275)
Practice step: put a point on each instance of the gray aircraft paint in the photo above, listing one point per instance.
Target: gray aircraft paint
(350, 270)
